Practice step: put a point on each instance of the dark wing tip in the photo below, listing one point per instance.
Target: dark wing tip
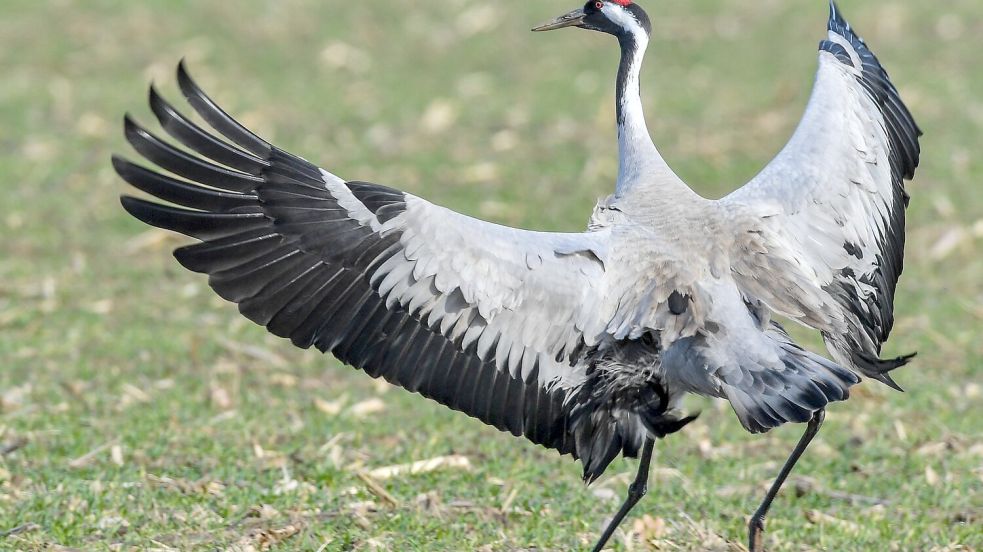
(132, 129)
(878, 369)
(185, 82)
(157, 103)
(129, 172)
(903, 131)
(836, 16)
(838, 24)
(192, 92)
(135, 134)
(887, 380)
(217, 117)
(121, 165)
(141, 209)
(152, 92)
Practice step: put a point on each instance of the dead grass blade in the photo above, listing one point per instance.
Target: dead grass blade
(423, 466)
(87, 458)
(25, 528)
(819, 518)
(376, 489)
(255, 352)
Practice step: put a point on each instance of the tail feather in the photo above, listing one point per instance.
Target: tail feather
(767, 390)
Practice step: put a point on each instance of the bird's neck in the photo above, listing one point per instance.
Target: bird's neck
(639, 160)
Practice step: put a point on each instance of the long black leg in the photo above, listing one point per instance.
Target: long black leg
(757, 525)
(636, 491)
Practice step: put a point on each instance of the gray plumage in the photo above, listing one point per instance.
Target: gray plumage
(582, 342)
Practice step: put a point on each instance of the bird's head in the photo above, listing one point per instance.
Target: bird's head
(621, 18)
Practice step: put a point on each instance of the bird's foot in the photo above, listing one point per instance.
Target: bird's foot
(756, 530)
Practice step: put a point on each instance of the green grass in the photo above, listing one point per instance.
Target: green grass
(142, 421)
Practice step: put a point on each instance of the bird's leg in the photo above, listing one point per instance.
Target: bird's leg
(636, 491)
(756, 526)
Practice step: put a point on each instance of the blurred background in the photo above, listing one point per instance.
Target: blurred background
(137, 411)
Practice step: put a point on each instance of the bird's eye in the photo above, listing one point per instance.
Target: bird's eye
(599, 5)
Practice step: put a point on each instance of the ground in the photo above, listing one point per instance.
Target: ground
(137, 411)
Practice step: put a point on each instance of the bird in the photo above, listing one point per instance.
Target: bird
(583, 342)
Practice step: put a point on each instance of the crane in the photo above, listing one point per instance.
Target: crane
(581, 342)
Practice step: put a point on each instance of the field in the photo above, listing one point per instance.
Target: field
(138, 411)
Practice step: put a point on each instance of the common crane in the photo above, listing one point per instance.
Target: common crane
(580, 342)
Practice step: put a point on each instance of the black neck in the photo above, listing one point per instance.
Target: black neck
(629, 48)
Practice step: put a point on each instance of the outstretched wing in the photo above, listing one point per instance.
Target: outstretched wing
(482, 318)
(832, 206)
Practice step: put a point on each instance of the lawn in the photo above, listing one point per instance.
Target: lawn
(137, 411)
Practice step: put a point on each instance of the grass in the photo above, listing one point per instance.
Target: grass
(139, 412)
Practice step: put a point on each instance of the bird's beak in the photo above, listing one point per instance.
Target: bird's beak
(572, 19)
